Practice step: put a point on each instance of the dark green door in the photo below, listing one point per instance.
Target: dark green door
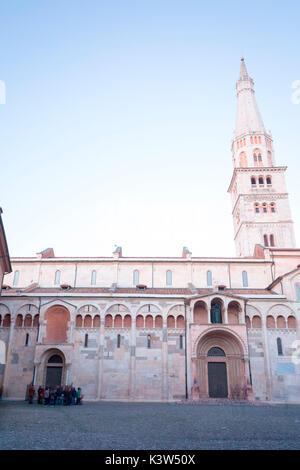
(217, 380)
(53, 377)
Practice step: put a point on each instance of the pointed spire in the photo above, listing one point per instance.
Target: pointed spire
(248, 116)
(243, 73)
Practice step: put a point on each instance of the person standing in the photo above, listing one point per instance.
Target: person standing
(46, 395)
(1, 392)
(40, 398)
(78, 396)
(73, 393)
(31, 394)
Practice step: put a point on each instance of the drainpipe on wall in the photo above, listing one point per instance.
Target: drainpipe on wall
(186, 385)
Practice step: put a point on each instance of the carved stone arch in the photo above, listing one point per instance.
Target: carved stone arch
(280, 310)
(230, 367)
(252, 311)
(28, 308)
(220, 330)
(118, 308)
(88, 309)
(154, 309)
(53, 367)
(4, 310)
(175, 310)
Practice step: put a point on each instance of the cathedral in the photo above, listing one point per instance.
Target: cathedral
(170, 328)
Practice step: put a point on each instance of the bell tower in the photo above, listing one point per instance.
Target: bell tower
(261, 210)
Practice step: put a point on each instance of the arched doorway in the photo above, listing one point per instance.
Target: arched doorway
(54, 370)
(220, 368)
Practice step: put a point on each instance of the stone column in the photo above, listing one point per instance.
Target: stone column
(267, 359)
(100, 354)
(165, 387)
(132, 370)
(188, 346)
(8, 357)
(226, 312)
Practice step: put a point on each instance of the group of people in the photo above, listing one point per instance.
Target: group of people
(67, 395)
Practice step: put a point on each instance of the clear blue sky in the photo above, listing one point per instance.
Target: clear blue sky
(119, 117)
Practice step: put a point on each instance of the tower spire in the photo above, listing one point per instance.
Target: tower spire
(249, 120)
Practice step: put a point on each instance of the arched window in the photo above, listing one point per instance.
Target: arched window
(181, 342)
(93, 278)
(279, 347)
(272, 242)
(261, 181)
(55, 359)
(169, 278)
(273, 207)
(256, 321)
(96, 321)
(266, 241)
(136, 276)
(180, 321)
(253, 181)
(118, 341)
(269, 181)
(158, 321)
(171, 321)
(16, 278)
(256, 208)
(149, 342)
(57, 278)
(78, 321)
(127, 321)
(245, 279)
(291, 322)
(270, 162)
(216, 352)
(264, 207)
(19, 321)
(27, 339)
(86, 340)
(108, 322)
(243, 160)
(281, 323)
(209, 278)
(88, 321)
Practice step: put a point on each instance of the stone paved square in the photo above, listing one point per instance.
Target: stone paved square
(135, 426)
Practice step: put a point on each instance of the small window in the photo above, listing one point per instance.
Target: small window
(181, 341)
(27, 339)
(266, 242)
(86, 340)
(253, 181)
(118, 341)
(16, 278)
(149, 342)
(272, 242)
(279, 347)
(245, 279)
(57, 278)
(169, 278)
(136, 276)
(273, 207)
(209, 278)
(265, 207)
(256, 208)
(297, 291)
(261, 181)
(93, 278)
(269, 181)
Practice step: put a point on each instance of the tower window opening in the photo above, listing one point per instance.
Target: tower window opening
(256, 208)
(265, 209)
(86, 340)
(209, 278)
(266, 242)
(272, 241)
(118, 341)
(253, 181)
(269, 181)
(261, 181)
(149, 342)
(273, 207)
(27, 339)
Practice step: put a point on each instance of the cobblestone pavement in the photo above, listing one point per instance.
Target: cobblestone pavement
(135, 426)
